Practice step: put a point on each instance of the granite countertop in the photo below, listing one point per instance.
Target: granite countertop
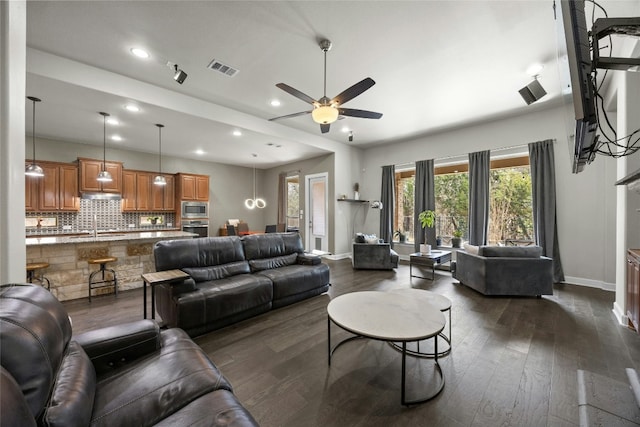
(107, 237)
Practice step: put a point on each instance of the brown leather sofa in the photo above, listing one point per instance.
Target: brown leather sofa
(127, 375)
(234, 278)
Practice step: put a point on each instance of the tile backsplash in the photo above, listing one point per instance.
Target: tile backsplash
(108, 215)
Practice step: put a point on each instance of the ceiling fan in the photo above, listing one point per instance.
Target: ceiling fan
(326, 111)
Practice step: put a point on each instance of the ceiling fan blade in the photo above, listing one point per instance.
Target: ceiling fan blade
(324, 128)
(295, 92)
(363, 114)
(353, 91)
(288, 116)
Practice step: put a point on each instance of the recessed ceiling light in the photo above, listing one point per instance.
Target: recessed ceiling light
(116, 138)
(132, 107)
(140, 53)
(275, 103)
(345, 129)
(113, 121)
(237, 133)
(199, 152)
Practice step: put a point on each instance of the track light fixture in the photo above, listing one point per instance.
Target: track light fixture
(532, 92)
(179, 76)
(34, 169)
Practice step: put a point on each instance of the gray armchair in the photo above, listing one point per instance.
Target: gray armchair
(504, 270)
(374, 256)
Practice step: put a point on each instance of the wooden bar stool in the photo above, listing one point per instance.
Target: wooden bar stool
(103, 283)
(31, 273)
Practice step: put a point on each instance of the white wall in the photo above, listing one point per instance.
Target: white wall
(585, 202)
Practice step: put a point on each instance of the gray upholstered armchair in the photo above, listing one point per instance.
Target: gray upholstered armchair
(374, 256)
(506, 270)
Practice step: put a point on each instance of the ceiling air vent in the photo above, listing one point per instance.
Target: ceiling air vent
(225, 69)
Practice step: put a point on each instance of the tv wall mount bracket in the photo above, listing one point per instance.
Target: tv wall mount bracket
(604, 27)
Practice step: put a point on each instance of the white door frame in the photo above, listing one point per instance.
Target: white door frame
(324, 245)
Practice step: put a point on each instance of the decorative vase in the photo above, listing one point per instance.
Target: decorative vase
(425, 249)
(356, 195)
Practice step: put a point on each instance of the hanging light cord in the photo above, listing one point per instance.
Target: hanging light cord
(33, 135)
(104, 141)
(160, 148)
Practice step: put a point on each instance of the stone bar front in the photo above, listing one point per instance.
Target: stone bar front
(67, 257)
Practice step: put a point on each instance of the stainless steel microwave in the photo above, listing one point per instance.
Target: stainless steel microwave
(194, 209)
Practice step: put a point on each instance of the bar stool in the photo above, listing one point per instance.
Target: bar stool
(103, 283)
(31, 273)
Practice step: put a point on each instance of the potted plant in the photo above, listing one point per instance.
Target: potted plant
(402, 237)
(427, 219)
(457, 238)
(153, 219)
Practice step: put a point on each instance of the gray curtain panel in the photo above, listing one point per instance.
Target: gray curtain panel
(479, 167)
(543, 189)
(388, 201)
(282, 198)
(424, 198)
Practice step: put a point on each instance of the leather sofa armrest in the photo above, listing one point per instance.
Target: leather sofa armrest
(115, 346)
(309, 259)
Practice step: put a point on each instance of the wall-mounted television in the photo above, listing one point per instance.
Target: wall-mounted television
(583, 145)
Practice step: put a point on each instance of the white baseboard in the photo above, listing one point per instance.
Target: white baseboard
(620, 314)
(590, 283)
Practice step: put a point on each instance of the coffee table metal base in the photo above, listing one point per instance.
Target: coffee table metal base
(403, 349)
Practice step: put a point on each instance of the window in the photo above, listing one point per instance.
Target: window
(510, 206)
(293, 202)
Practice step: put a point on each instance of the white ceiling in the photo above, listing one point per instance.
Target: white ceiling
(437, 65)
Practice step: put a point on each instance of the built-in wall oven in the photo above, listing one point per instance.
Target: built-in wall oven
(198, 226)
(194, 209)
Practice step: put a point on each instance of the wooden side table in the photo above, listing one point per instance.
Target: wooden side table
(158, 278)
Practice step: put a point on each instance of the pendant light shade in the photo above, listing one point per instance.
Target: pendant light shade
(33, 169)
(159, 179)
(255, 202)
(104, 175)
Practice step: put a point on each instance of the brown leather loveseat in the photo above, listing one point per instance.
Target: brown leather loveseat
(126, 375)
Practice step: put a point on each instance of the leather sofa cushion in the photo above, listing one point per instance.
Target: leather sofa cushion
(156, 387)
(36, 328)
(218, 299)
(511, 251)
(220, 408)
(13, 405)
(296, 279)
(193, 253)
(203, 274)
(275, 262)
(73, 392)
(259, 246)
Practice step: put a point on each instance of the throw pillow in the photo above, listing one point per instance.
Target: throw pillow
(472, 249)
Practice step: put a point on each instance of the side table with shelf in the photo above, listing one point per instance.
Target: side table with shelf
(158, 278)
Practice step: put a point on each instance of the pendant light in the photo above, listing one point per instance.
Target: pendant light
(33, 169)
(159, 179)
(254, 203)
(104, 175)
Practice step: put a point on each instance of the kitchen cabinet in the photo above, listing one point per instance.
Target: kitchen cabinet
(89, 170)
(163, 196)
(140, 194)
(193, 187)
(633, 288)
(57, 190)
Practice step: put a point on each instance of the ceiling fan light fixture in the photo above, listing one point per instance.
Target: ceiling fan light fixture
(324, 114)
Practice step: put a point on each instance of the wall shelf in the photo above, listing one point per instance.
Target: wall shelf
(353, 201)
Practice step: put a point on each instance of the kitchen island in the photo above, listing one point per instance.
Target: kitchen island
(67, 256)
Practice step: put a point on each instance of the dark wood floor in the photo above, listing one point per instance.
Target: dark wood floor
(513, 363)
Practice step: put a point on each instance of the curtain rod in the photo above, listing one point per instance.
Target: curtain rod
(407, 165)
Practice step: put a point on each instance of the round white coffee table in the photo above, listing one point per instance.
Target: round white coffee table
(440, 302)
(391, 317)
